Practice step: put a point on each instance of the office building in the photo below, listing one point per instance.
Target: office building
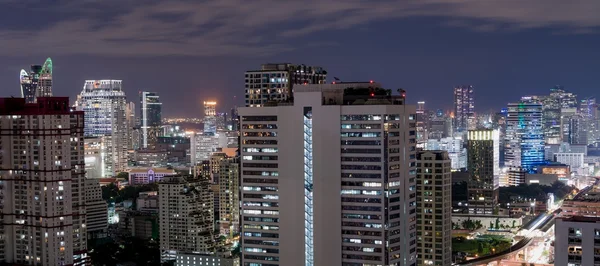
(440, 126)
(150, 118)
(484, 169)
(186, 217)
(576, 129)
(233, 120)
(524, 143)
(422, 125)
(210, 118)
(455, 149)
(434, 208)
(203, 145)
(130, 117)
(275, 82)
(464, 108)
(103, 103)
(96, 210)
(37, 82)
(42, 183)
(353, 138)
(225, 174)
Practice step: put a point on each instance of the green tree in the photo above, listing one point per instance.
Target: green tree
(122, 175)
(480, 248)
(497, 223)
(491, 225)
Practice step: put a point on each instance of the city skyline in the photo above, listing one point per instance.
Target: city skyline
(499, 55)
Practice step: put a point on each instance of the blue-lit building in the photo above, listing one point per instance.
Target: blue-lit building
(524, 140)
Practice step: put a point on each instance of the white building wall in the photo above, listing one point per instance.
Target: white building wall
(327, 186)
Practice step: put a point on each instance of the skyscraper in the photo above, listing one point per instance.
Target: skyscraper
(464, 108)
(434, 208)
(130, 117)
(210, 117)
(275, 82)
(186, 217)
(422, 122)
(38, 82)
(42, 183)
(353, 138)
(524, 145)
(483, 151)
(151, 118)
(104, 106)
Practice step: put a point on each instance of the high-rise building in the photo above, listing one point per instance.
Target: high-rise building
(275, 82)
(353, 138)
(104, 104)
(524, 143)
(483, 150)
(434, 208)
(210, 118)
(455, 148)
(130, 117)
(422, 124)
(464, 108)
(202, 146)
(440, 126)
(225, 174)
(577, 240)
(588, 108)
(151, 118)
(576, 129)
(96, 210)
(37, 82)
(186, 217)
(234, 120)
(42, 183)
(95, 152)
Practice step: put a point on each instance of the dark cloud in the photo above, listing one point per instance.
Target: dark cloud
(240, 27)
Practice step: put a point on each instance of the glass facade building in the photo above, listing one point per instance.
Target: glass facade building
(524, 145)
(464, 108)
(37, 82)
(151, 115)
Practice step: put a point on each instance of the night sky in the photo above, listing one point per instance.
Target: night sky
(191, 51)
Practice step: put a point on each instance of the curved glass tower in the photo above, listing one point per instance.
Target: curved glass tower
(36, 83)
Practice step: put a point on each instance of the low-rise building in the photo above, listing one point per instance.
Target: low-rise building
(139, 176)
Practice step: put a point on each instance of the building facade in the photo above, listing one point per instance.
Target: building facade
(524, 143)
(275, 82)
(150, 118)
(353, 139)
(141, 176)
(37, 82)
(186, 217)
(210, 117)
(103, 103)
(225, 174)
(96, 210)
(434, 208)
(42, 183)
(484, 169)
(464, 108)
(577, 241)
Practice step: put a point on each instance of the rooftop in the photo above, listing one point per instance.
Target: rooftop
(44, 106)
(349, 93)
